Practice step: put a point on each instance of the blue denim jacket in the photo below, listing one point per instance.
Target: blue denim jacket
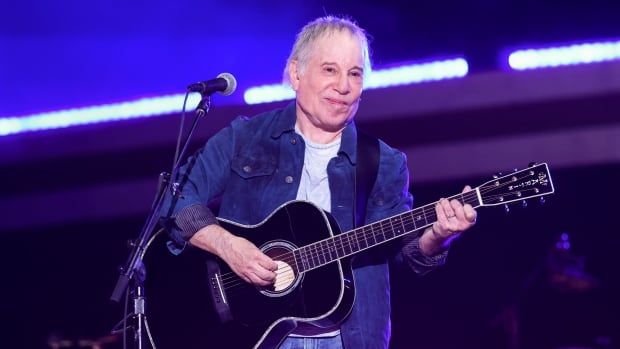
(255, 164)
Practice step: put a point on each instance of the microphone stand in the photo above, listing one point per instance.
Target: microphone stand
(134, 270)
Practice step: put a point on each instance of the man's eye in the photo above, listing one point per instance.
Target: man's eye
(330, 69)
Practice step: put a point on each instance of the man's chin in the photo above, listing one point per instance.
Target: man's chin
(337, 126)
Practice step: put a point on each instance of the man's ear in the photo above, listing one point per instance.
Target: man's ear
(293, 74)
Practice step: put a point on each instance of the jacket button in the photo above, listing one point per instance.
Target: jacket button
(247, 169)
(288, 179)
(293, 140)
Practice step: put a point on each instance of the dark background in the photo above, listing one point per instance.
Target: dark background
(58, 270)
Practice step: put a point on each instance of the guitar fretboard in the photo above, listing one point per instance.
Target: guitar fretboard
(346, 244)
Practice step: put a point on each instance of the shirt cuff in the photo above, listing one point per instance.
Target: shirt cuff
(192, 218)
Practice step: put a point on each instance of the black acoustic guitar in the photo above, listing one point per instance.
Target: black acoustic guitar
(314, 287)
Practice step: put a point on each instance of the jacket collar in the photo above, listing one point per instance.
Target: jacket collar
(284, 121)
(348, 146)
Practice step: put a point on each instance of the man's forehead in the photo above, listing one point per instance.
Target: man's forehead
(326, 43)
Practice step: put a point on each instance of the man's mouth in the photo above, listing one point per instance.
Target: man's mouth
(337, 102)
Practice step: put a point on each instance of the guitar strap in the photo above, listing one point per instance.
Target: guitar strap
(366, 169)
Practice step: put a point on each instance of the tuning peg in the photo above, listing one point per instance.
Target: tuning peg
(531, 164)
(497, 175)
(506, 208)
(542, 200)
(524, 204)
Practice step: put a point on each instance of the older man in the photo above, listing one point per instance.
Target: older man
(307, 151)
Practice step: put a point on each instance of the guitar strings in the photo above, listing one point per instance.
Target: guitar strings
(318, 255)
(314, 252)
(314, 248)
(338, 242)
(366, 232)
(317, 251)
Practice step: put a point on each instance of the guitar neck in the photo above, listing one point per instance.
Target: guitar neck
(357, 240)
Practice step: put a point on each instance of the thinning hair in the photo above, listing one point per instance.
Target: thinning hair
(311, 32)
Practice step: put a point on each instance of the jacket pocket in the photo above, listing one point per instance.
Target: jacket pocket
(249, 167)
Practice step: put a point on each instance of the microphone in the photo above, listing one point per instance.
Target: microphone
(225, 84)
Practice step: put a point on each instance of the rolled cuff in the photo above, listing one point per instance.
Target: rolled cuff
(418, 261)
(192, 218)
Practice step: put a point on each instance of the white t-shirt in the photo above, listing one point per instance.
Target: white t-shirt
(314, 184)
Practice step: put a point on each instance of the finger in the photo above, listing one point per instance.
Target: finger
(264, 274)
(466, 189)
(439, 210)
(443, 225)
(455, 210)
(459, 210)
(257, 280)
(470, 213)
(447, 207)
(267, 263)
(245, 277)
(456, 205)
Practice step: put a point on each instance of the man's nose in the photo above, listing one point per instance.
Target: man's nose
(343, 86)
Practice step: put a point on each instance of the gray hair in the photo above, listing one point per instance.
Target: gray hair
(311, 32)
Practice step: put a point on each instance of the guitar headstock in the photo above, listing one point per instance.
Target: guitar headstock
(528, 183)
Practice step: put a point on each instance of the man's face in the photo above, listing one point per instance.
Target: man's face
(329, 86)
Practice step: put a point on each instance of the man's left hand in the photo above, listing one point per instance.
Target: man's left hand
(453, 218)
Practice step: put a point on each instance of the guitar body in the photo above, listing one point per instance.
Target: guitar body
(316, 298)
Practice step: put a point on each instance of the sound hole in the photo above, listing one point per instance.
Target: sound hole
(287, 276)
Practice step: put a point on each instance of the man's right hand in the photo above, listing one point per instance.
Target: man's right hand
(242, 256)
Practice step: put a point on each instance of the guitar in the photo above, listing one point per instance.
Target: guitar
(314, 287)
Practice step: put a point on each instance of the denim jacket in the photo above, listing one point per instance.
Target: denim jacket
(254, 166)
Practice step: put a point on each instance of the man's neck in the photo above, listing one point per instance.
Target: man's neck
(316, 134)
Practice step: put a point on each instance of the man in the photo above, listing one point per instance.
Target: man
(307, 151)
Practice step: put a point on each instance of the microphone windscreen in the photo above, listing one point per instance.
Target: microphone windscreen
(231, 83)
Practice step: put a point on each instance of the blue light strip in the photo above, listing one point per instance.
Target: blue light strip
(268, 93)
(417, 73)
(584, 53)
(145, 107)
(401, 75)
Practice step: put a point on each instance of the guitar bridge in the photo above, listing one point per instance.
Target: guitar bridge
(218, 296)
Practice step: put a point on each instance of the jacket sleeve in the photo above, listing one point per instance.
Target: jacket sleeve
(202, 178)
(390, 196)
